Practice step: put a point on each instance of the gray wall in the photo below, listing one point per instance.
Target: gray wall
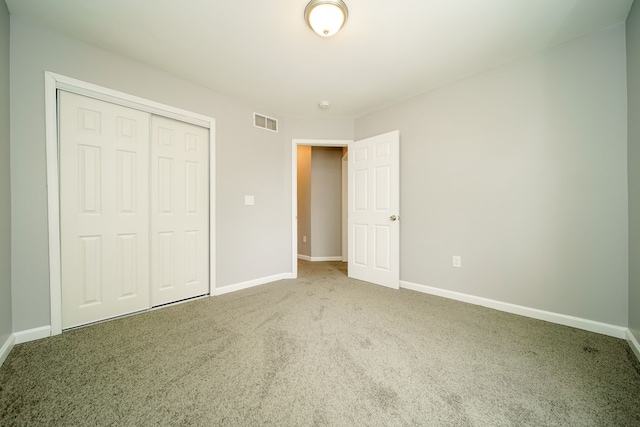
(5, 190)
(633, 82)
(304, 200)
(297, 128)
(252, 241)
(326, 202)
(522, 171)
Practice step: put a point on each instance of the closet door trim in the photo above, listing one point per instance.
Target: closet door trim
(53, 82)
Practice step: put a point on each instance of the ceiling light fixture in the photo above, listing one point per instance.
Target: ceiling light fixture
(326, 17)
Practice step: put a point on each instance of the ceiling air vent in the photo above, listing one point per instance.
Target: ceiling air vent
(265, 122)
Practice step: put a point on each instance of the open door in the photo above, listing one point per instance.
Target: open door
(374, 210)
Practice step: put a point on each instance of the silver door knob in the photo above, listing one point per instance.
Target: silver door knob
(393, 217)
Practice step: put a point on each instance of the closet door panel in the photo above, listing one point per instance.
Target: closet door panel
(179, 210)
(104, 209)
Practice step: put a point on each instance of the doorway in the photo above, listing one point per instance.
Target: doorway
(294, 189)
(373, 207)
(320, 226)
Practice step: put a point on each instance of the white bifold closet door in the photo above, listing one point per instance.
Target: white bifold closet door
(133, 210)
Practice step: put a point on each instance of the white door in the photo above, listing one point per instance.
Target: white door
(179, 210)
(104, 181)
(374, 204)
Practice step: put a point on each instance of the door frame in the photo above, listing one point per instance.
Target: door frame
(53, 82)
(345, 207)
(294, 189)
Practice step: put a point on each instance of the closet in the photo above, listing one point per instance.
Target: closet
(134, 209)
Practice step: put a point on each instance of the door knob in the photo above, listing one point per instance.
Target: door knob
(393, 217)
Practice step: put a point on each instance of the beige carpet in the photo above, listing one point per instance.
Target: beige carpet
(322, 350)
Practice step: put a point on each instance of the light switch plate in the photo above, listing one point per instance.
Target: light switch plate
(457, 261)
(249, 200)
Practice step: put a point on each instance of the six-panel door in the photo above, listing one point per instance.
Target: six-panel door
(179, 210)
(374, 203)
(104, 204)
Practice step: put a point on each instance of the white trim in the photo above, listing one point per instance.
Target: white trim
(562, 319)
(251, 283)
(53, 203)
(345, 207)
(294, 189)
(126, 100)
(633, 343)
(212, 206)
(56, 81)
(320, 258)
(32, 334)
(6, 348)
(322, 142)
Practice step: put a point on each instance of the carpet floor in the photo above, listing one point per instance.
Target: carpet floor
(322, 350)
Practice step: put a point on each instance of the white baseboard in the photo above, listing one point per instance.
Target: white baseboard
(562, 319)
(6, 348)
(633, 343)
(32, 334)
(319, 258)
(250, 284)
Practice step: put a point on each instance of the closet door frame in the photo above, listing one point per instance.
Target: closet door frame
(54, 82)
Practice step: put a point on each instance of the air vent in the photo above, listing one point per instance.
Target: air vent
(265, 122)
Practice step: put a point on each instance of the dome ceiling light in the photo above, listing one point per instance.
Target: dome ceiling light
(326, 17)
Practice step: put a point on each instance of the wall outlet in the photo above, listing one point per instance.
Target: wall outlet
(304, 239)
(457, 261)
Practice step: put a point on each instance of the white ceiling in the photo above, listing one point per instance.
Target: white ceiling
(262, 51)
